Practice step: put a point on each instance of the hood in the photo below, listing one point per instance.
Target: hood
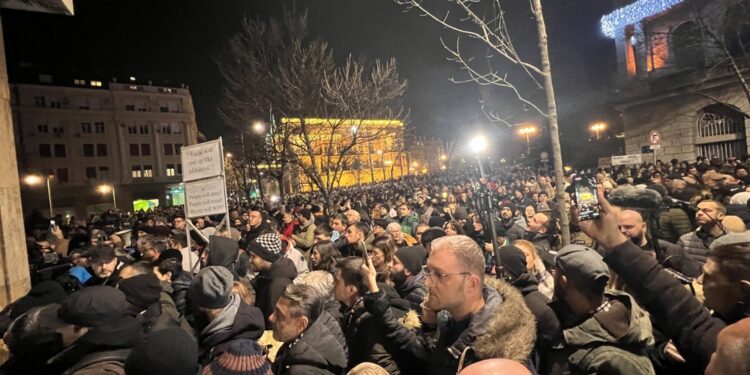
(283, 268)
(638, 331)
(526, 283)
(511, 327)
(223, 251)
(322, 345)
(248, 324)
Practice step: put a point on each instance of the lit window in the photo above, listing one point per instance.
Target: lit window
(170, 170)
(148, 171)
(136, 171)
(96, 83)
(82, 82)
(658, 52)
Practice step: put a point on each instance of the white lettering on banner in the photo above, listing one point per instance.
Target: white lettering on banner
(203, 160)
(627, 159)
(205, 197)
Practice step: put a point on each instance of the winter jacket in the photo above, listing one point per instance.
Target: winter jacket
(306, 239)
(543, 247)
(238, 324)
(692, 251)
(270, 284)
(548, 331)
(180, 288)
(300, 263)
(253, 233)
(509, 230)
(611, 341)
(672, 224)
(413, 290)
(409, 223)
(223, 251)
(169, 308)
(503, 328)
(672, 307)
(321, 349)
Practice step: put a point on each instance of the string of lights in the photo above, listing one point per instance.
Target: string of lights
(633, 13)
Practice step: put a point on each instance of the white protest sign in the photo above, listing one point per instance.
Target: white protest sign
(206, 197)
(203, 160)
(627, 159)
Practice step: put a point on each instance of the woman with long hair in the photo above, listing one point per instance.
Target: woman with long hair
(535, 266)
(323, 257)
(381, 252)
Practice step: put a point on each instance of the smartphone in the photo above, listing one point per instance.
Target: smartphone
(52, 224)
(586, 198)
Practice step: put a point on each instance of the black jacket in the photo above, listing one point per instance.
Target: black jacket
(248, 325)
(413, 290)
(180, 288)
(223, 251)
(321, 349)
(271, 283)
(253, 233)
(548, 331)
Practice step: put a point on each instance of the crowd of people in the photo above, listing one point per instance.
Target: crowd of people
(437, 274)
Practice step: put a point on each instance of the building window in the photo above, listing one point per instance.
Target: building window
(163, 108)
(148, 171)
(96, 83)
(42, 128)
(99, 127)
(130, 107)
(132, 129)
(170, 170)
(62, 175)
(179, 169)
(178, 148)
(101, 149)
(135, 150)
(687, 45)
(86, 127)
(166, 129)
(103, 173)
(60, 151)
(143, 129)
(168, 149)
(90, 173)
(136, 171)
(176, 128)
(45, 151)
(40, 101)
(658, 52)
(88, 150)
(58, 130)
(80, 82)
(145, 149)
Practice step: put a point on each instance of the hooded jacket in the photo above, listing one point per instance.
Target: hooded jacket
(321, 349)
(605, 343)
(270, 284)
(413, 290)
(238, 322)
(503, 328)
(223, 251)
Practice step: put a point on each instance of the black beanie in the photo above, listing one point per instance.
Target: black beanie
(141, 291)
(412, 257)
(513, 260)
(167, 351)
(432, 234)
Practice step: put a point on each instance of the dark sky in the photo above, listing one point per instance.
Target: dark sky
(174, 41)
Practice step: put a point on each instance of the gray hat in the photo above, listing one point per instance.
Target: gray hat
(582, 261)
(212, 287)
(731, 239)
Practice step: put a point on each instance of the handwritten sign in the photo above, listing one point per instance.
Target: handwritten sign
(627, 159)
(203, 160)
(205, 197)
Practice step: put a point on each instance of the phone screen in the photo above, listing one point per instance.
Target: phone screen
(52, 224)
(586, 200)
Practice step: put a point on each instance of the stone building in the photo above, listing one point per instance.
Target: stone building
(675, 76)
(86, 134)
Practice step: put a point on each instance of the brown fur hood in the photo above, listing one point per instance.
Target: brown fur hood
(512, 329)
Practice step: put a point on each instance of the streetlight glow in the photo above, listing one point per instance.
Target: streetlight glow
(32, 180)
(229, 155)
(527, 131)
(104, 189)
(259, 127)
(478, 144)
(598, 127)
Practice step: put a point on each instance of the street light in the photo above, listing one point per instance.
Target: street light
(229, 155)
(33, 180)
(478, 144)
(528, 131)
(106, 189)
(259, 127)
(598, 127)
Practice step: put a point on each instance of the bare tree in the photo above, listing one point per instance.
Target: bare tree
(484, 21)
(322, 113)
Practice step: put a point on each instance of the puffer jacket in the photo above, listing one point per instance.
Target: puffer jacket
(180, 288)
(672, 224)
(409, 223)
(692, 252)
(270, 284)
(321, 349)
(504, 328)
(611, 343)
(413, 290)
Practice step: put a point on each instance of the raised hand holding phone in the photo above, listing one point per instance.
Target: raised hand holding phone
(369, 273)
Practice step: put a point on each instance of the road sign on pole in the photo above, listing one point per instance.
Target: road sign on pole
(654, 137)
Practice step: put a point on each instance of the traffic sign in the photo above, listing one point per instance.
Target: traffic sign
(654, 137)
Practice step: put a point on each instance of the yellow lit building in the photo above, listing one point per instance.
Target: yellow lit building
(369, 150)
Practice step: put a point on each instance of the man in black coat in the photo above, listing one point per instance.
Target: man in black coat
(313, 340)
(406, 273)
(256, 226)
(275, 272)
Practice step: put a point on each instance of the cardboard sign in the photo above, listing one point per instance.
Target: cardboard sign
(206, 197)
(203, 160)
(627, 159)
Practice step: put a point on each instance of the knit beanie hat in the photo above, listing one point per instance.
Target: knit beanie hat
(166, 351)
(412, 257)
(512, 259)
(212, 287)
(93, 306)
(241, 357)
(267, 246)
(141, 291)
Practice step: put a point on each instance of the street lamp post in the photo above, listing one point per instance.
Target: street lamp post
(32, 180)
(106, 189)
(598, 127)
(527, 131)
(478, 144)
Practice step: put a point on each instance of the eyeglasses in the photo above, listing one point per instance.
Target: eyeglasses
(439, 276)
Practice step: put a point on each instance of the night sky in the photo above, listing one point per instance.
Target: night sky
(174, 41)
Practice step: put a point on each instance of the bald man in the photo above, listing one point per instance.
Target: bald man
(632, 225)
(496, 366)
(732, 354)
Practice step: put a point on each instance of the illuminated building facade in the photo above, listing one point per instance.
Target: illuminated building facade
(673, 76)
(369, 150)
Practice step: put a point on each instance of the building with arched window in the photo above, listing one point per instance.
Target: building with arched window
(679, 68)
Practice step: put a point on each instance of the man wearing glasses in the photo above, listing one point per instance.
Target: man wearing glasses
(488, 317)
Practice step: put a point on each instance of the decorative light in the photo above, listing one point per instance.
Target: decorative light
(633, 13)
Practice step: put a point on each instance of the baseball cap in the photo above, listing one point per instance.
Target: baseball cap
(583, 262)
